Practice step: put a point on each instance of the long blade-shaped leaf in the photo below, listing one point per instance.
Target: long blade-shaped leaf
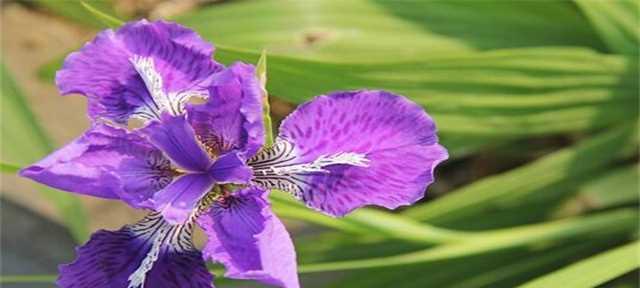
(593, 271)
(562, 165)
(387, 30)
(616, 21)
(612, 222)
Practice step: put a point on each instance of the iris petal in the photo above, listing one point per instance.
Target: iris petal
(105, 162)
(177, 201)
(232, 117)
(115, 258)
(231, 168)
(105, 70)
(249, 240)
(177, 140)
(345, 150)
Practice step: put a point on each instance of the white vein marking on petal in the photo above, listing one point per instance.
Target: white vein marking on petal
(173, 102)
(278, 168)
(153, 81)
(318, 165)
(181, 98)
(165, 236)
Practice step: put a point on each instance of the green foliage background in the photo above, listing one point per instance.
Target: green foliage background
(502, 79)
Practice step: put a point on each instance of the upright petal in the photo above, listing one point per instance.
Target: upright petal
(175, 137)
(177, 201)
(105, 162)
(139, 70)
(249, 240)
(150, 253)
(231, 168)
(232, 117)
(345, 150)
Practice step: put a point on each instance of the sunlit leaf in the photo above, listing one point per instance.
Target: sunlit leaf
(616, 21)
(261, 71)
(387, 30)
(593, 271)
(611, 222)
(572, 162)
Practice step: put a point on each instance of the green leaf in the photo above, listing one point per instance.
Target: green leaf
(614, 188)
(81, 11)
(106, 19)
(387, 30)
(611, 189)
(15, 279)
(500, 93)
(616, 21)
(9, 168)
(593, 271)
(568, 163)
(24, 142)
(366, 222)
(261, 70)
(622, 221)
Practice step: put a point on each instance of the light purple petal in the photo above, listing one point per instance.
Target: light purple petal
(232, 117)
(175, 137)
(345, 150)
(177, 201)
(104, 70)
(105, 162)
(231, 168)
(110, 258)
(251, 242)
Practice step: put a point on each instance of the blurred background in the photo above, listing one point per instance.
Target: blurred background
(537, 102)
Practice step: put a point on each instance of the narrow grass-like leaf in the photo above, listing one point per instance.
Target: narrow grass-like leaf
(500, 93)
(612, 189)
(106, 19)
(261, 70)
(9, 168)
(593, 271)
(368, 222)
(24, 141)
(616, 21)
(610, 222)
(81, 11)
(504, 268)
(589, 155)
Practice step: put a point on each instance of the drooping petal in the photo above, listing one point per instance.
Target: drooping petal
(232, 117)
(345, 150)
(249, 240)
(231, 168)
(139, 70)
(150, 252)
(105, 162)
(175, 137)
(177, 201)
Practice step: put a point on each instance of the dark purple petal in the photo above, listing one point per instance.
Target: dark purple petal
(177, 201)
(105, 70)
(345, 150)
(175, 137)
(105, 162)
(232, 117)
(231, 168)
(114, 258)
(249, 240)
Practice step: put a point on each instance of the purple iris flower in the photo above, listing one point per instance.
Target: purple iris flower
(207, 164)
